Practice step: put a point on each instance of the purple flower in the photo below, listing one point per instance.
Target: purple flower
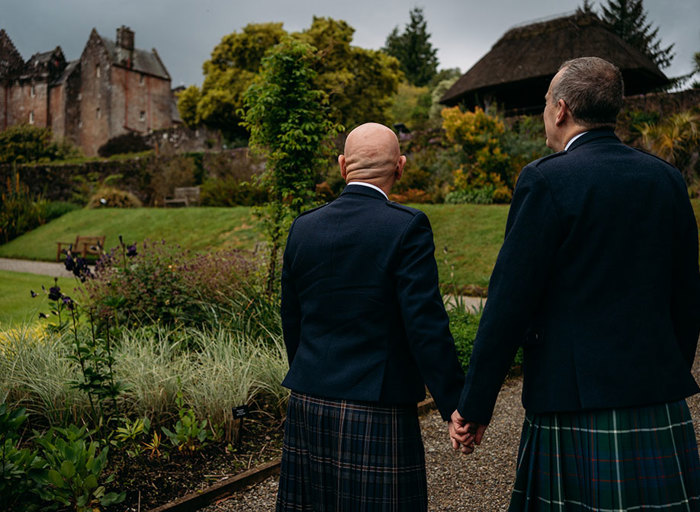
(69, 262)
(131, 250)
(68, 302)
(54, 293)
(34, 294)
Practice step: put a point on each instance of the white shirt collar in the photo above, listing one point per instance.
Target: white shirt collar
(573, 139)
(370, 186)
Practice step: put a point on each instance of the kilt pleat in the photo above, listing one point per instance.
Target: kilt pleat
(639, 458)
(340, 455)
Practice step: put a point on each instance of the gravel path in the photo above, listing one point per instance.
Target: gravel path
(481, 481)
(35, 267)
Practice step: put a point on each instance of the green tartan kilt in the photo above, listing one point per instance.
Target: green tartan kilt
(639, 458)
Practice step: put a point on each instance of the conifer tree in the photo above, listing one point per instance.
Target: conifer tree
(628, 20)
(413, 50)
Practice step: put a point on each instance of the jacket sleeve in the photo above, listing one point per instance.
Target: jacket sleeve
(424, 318)
(685, 300)
(290, 308)
(517, 282)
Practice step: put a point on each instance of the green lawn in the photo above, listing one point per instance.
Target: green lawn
(472, 235)
(16, 304)
(192, 228)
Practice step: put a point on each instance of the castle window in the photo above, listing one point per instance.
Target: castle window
(142, 79)
(32, 91)
(31, 117)
(98, 113)
(97, 71)
(80, 96)
(142, 116)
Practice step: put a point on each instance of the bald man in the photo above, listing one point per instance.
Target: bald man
(365, 330)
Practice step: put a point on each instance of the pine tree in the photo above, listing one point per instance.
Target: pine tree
(628, 20)
(413, 50)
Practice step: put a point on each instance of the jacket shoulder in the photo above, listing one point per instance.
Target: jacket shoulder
(547, 159)
(406, 209)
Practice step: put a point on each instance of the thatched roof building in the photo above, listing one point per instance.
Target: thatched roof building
(518, 69)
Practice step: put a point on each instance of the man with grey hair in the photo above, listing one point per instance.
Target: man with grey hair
(598, 281)
(365, 330)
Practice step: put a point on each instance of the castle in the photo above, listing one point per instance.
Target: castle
(112, 89)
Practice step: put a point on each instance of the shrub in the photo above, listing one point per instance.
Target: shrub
(54, 209)
(161, 283)
(19, 210)
(130, 142)
(110, 197)
(230, 191)
(171, 172)
(25, 143)
(412, 195)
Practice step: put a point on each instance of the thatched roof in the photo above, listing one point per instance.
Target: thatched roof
(518, 69)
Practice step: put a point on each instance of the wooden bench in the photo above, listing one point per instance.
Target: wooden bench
(83, 246)
(183, 196)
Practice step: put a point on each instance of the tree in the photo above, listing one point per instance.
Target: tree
(233, 65)
(628, 20)
(413, 50)
(287, 116)
(359, 83)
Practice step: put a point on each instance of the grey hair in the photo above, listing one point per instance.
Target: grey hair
(592, 88)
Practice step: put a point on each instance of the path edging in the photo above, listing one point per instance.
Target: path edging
(225, 488)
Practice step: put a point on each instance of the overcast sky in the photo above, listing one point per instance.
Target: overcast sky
(185, 31)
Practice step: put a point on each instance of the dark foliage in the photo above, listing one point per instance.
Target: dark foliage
(130, 142)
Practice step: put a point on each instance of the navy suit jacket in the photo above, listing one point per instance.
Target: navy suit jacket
(362, 314)
(597, 279)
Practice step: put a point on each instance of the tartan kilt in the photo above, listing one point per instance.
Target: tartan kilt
(340, 455)
(639, 458)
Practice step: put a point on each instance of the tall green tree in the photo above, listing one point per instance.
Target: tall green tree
(287, 116)
(413, 49)
(359, 83)
(628, 19)
(233, 66)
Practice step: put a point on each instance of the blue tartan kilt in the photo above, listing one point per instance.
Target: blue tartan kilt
(639, 458)
(340, 455)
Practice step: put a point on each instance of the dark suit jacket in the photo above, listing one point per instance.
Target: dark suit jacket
(597, 279)
(362, 315)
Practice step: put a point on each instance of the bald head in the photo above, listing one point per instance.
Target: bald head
(372, 155)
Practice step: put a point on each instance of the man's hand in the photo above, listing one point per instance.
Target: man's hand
(465, 434)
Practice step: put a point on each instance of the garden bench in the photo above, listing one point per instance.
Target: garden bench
(83, 246)
(183, 196)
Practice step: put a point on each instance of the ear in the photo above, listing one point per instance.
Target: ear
(343, 167)
(562, 112)
(399, 167)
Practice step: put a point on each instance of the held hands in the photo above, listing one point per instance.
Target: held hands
(465, 434)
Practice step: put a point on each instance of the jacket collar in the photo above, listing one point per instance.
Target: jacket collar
(363, 191)
(596, 133)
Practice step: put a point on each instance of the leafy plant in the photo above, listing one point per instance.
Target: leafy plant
(189, 435)
(288, 119)
(20, 469)
(74, 470)
(129, 436)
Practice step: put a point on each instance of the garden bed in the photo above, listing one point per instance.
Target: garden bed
(151, 483)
